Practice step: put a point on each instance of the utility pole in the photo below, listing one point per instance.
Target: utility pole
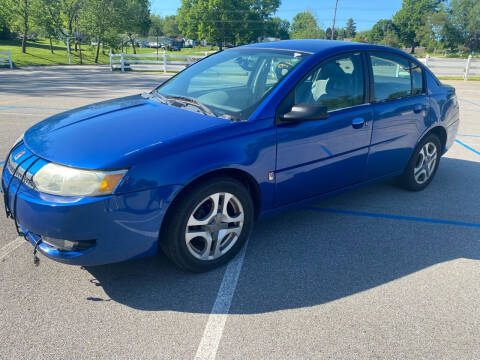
(67, 39)
(333, 22)
(78, 38)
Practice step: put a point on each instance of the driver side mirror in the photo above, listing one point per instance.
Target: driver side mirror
(305, 112)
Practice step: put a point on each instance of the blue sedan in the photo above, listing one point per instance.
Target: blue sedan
(190, 166)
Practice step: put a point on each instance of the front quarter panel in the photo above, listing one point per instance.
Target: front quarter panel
(248, 146)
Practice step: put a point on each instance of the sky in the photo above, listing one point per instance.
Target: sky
(365, 13)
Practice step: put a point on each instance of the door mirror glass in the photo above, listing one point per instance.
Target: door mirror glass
(305, 112)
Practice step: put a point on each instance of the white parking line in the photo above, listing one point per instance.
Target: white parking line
(7, 249)
(207, 350)
(20, 113)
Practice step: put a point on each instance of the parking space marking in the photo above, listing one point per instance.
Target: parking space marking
(16, 113)
(467, 146)
(12, 101)
(207, 350)
(395, 217)
(11, 246)
(10, 107)
(469, 101)
(469, 135)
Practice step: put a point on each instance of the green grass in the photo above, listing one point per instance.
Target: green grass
(184, 51)
(38, 53)
(473, 78)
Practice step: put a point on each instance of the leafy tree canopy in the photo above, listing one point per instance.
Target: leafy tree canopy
(305, 26)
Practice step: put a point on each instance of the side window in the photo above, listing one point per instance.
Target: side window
(336, 83)
(395, 77)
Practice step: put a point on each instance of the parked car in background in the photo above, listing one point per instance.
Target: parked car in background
(240, 135)
(170, 47)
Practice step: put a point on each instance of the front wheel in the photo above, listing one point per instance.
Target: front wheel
(208, 225)
(423, 164)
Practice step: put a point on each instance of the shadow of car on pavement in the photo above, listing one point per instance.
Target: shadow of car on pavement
(306, 257)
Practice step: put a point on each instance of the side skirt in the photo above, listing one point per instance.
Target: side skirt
(305, 202)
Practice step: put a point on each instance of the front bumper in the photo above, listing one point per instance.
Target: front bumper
(124, 226)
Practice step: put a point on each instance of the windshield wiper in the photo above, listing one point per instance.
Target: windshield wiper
(189, 100)
(183, 99)
(151, 95)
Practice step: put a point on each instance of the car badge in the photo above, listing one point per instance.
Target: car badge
(19, 155)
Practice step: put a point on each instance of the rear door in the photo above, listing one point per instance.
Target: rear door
(319, 156)
(400, 108)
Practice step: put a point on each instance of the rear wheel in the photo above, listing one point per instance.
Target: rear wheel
(423, 164)
(208, 225)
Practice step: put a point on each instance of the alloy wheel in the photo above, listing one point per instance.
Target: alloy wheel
(425, 166)
(214, 226)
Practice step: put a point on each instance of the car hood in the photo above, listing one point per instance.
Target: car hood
(114, 133)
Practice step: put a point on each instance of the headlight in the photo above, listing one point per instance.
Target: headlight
(65, 181)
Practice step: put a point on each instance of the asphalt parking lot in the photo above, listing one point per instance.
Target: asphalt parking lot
(375, 273)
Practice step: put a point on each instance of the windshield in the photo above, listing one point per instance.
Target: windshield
(232, 83)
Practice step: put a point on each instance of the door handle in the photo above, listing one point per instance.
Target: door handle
(358, 123)
(417, 108)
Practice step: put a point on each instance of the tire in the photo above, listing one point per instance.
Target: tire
(423, 164)
(194, 219)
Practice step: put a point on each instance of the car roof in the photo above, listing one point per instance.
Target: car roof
(316, 46)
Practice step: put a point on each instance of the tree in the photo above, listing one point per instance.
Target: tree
(46, 21)
(450, 35)
(263, 10)
(350, 29)
(328, 33)
(170, 26)
(465, 17)
(305, 26)
(59, 15)
(100, 20)
(5, 19)
(228, 21)
(362, 36)
(189, 17)
(156, 25)
(21, 12)
(217, 21)
(277, 28)
(379, 31)
(135, 15)
(430, 35)
(411, 18)
(341, 33)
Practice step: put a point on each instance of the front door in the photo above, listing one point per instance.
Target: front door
(318, 156)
